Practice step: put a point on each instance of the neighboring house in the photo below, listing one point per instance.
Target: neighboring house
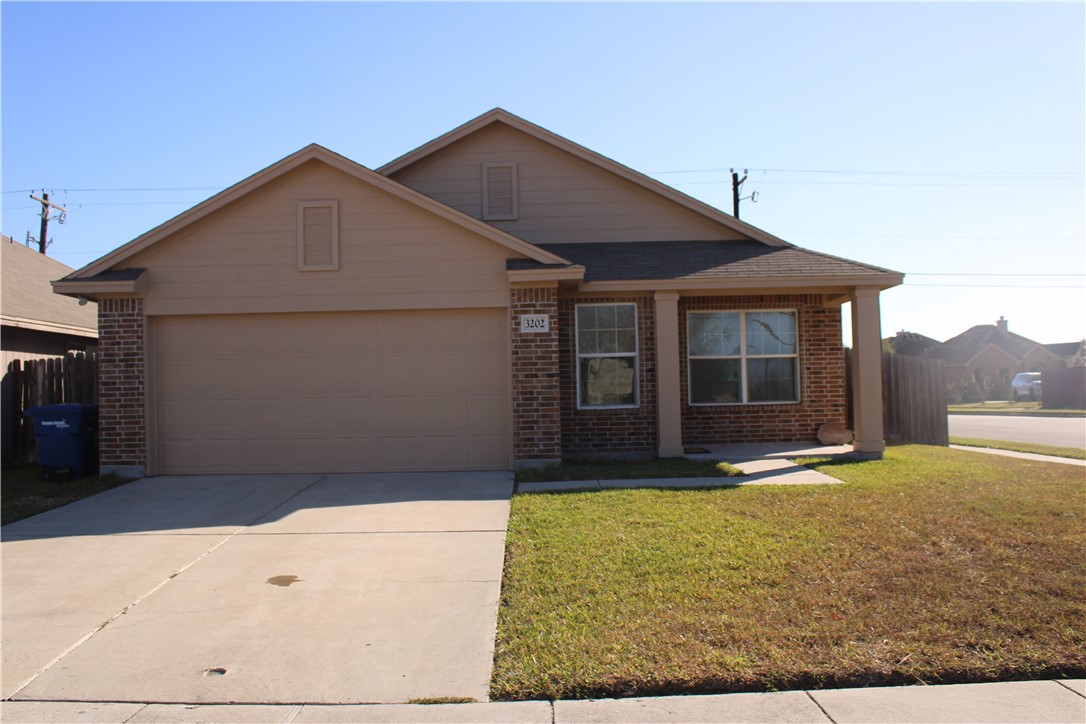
(498, 297)
(35, 322)
(910, 343)
(987, 356)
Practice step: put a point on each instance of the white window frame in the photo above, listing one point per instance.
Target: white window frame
(636, 355)
(743, 358)
(489, 215)
(334, 206)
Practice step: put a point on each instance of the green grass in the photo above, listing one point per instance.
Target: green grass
(1006, 407)
(628, 470)
(1027, 447)
(23, 494)
(933, 565)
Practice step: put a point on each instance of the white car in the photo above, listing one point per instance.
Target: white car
(1026, 386)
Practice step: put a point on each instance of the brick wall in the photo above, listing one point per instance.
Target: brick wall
(121, 429)
(537, 431)
(627, 430)
(821, 371)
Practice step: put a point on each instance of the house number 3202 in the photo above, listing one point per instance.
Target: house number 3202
(535, 323)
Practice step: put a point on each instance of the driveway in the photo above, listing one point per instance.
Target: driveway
(259, 589)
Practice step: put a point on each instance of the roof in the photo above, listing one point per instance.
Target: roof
(499, 115)
(27, 300)
(705, 261)
(963, 348)
(280, 168)
(911, 343)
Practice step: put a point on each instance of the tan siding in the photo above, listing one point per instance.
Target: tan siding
(562, 199)
(391, 255)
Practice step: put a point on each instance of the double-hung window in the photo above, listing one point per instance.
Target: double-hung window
(742, 357)
(606, 355)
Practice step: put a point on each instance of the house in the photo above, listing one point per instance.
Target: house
(35, 322)
(498, 297)
(985, 357)
(910, 343)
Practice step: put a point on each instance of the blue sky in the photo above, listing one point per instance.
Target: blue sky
(945, 141)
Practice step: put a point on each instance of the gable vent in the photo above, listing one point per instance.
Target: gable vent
(499, 191)
(318, 235)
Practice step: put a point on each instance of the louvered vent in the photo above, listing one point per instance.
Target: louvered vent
(499, 191)
(318, 232)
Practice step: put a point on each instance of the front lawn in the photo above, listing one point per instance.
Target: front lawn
(933, 566)
(626, 470)
(24, 494)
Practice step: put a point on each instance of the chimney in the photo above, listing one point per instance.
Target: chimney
(1001, 324)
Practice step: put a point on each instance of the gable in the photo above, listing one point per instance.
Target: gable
(561, 197)
(390, 254)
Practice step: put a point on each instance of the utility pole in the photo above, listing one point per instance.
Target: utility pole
(736, 183)
(46, 205)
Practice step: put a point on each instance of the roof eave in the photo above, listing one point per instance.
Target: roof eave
(91, 288)
(43, 326)
(761, 284)
(568, 273)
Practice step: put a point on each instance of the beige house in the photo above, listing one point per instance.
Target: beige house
(498, 297)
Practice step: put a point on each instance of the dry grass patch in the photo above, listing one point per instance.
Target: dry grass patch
(933, 565)
(25, 494)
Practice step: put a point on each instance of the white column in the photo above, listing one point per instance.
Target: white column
(668, 401)
(867, 372)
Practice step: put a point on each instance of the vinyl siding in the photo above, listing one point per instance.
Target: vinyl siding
(561, 198)
(392, 255)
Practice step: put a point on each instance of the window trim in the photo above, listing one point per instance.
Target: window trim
(334, 206)
(743, 357)
(489, 215)
(636, 355)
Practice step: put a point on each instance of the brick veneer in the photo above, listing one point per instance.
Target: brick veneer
(121, 428)
(821, 370)
(624, 430)
(537, 434)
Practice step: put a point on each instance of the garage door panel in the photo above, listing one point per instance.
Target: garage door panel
(332, 392)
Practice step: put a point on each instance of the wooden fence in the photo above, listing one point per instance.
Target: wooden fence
(1064, 388)
(914, 400)
(49, 381)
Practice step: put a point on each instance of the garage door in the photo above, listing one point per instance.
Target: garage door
(372, 391)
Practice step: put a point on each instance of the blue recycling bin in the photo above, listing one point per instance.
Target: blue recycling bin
(67, 436)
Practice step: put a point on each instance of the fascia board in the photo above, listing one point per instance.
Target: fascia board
(90, 288)
(284, 166)
(40, 326)
(585, 154)
(575, 273)
(792, 283)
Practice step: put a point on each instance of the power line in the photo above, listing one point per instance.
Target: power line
(996, 174)
(998, 286)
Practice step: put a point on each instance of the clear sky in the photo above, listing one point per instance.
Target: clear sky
(945, 141)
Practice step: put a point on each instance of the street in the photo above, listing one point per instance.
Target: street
(1058, 431)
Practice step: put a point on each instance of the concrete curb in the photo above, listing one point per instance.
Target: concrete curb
(1053, 701)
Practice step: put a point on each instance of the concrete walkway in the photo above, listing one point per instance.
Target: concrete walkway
(1021, 455)
(1029, 701)
(270, 589)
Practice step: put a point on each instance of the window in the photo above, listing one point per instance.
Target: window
(606, 355)
(499, 191)
(318, 235)
(742, 357)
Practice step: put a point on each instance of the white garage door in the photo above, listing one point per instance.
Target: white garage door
(345, 392)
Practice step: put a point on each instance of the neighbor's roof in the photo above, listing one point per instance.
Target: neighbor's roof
(27, 300)
(708, 261)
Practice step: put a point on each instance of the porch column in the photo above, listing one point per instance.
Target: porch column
(867, 372)
(669, 433)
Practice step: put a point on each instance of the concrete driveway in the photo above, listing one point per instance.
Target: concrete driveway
(261, 589)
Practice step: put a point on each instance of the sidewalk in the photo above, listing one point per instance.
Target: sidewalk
(1021, 455)
(1020, 701)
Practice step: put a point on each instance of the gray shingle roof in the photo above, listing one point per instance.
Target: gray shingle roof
(25, 292)
(628, 261)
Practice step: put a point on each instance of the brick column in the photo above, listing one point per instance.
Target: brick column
(537, 423)
(122, 446)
